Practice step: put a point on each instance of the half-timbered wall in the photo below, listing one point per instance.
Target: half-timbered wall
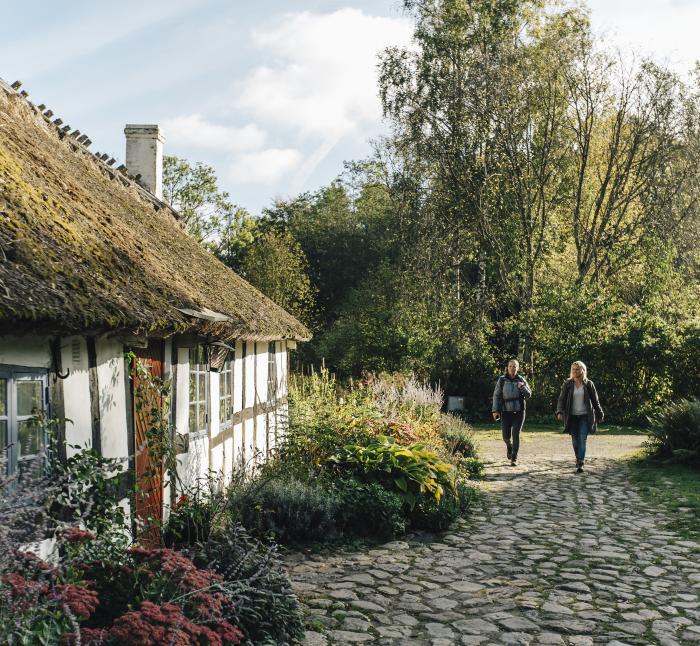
(95, 399)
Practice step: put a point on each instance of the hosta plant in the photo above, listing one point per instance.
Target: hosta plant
(413, 471)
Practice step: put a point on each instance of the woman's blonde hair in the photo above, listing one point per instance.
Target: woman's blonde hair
(584, 370)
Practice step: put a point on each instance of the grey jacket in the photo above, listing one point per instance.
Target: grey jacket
(590, 400)
(509, 395)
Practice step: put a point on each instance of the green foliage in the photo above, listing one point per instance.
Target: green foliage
(264, 604)
(368, 510)
(197, 512)
(207, 212)
(458, 435)
(89, 491)
(674, 432)
(430, 515)
(287, 511)
(275, 263)
(411, 471)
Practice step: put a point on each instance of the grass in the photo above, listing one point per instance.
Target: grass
(674, 486)
(492, 430)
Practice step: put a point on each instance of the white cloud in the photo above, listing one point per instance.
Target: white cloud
(662, 29)
(266, 166)
(321, 78)
(195, 131)
(325, 77)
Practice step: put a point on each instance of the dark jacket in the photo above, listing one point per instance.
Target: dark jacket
(508, 396)
(590, 400)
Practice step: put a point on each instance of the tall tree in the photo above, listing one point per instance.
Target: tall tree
(275, 263)
(207, 212)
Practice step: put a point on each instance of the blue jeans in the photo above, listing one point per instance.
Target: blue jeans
(579, 435)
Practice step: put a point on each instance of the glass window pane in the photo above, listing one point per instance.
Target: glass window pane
(222, 384)
(29, 436)
(193, 418)
(29, 397)
(3, 435)
(201, 388)
(193, 386)
(3, 397)
(201, 422)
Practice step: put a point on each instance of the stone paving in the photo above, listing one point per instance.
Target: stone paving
(548, 557)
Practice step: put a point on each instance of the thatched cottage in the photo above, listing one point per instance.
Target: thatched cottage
(96, 274)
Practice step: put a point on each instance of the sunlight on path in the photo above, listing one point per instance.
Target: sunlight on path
(549, 557)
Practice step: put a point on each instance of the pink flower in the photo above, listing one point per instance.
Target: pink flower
(77, 535)
(81, 601)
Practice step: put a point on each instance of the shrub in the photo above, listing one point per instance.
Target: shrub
(369, 510)
(471, 468)
(288, 511)
(88, 491)
(675, 431)
(261, 595)
(153, 625)
(196, 513)
(411, 471)
(458, 436)
(430, 515)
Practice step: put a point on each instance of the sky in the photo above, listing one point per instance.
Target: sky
(273, 94)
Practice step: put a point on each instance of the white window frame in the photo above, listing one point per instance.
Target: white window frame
(226, 391)
(272, 383)
(14, 376)
(200, 373)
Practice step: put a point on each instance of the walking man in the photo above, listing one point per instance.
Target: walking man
(509, 397)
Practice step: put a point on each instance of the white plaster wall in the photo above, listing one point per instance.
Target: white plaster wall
(249, 426)
(76, 393)
(27, 351)
(217, 452)
(182, 385)
(112, 388)
(238, 404)
(261, 444)
(282, 390)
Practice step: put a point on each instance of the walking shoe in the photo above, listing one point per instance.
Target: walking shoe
(579, 467)
(513, 463)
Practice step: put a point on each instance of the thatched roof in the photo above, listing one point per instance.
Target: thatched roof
(83, 248)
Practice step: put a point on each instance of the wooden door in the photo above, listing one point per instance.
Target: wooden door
(148, 422)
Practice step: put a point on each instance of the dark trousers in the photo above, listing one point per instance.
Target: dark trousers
(511, 425)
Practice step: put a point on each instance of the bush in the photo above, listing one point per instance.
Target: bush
(196, 514)
(260, 592)
(675, 432)
(411, 471)
(458, 436)
(368, 510)
(471, 468)
(288, 511)
(88, 491)
(433, 516)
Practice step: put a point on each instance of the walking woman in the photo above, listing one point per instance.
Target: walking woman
(580, 409)
(509, 397)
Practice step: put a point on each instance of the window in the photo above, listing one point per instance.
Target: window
(199, 382)
(272, 372)
(226, 391)
(22, 400)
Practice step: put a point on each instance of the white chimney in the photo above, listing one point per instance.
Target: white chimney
(144, 155)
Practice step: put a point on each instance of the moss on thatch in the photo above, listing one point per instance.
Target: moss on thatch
(83, 250)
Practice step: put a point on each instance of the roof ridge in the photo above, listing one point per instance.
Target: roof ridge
(81, 142)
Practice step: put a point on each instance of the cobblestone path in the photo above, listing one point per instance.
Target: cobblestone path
(548, 557)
